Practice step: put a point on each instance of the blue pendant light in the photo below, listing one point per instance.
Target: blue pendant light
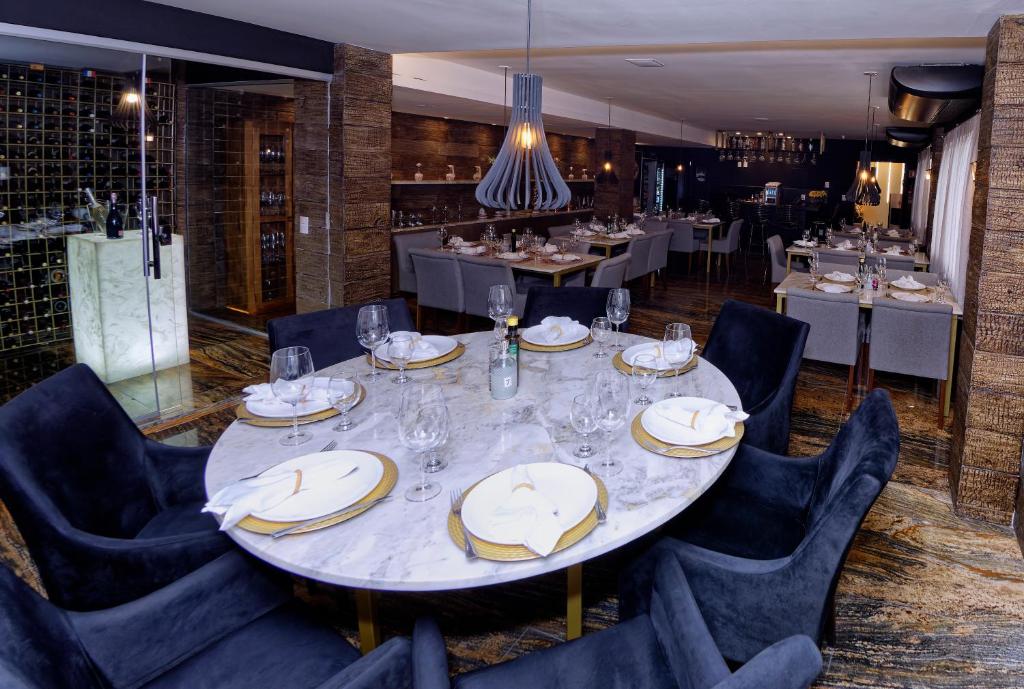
(524, 174)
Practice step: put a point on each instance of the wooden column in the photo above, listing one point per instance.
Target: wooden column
(988, 425)
(610, 199)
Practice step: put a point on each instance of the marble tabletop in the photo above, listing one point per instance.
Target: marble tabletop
(404, 546)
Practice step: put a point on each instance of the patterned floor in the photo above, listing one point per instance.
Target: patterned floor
(926, 599)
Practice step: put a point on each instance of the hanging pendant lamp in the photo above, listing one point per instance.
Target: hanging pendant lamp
(607, 172)
(865, 190)
(524, 174)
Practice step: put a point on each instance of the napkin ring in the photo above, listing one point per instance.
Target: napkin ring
(524, 484)
(298, 481)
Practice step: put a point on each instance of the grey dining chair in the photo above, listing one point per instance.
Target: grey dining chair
(658, 259)
(406, 270)
(611, 272)
(560, 231)
(835, 334)
(683, 240)
(777, 253)
(911, 339)
(726, 246)
(929, 279)
(438, 282)
(840, 256)
(478, 276)
(639, 250)
(892, 262)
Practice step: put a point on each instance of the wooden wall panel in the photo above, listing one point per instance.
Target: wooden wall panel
(615, 199)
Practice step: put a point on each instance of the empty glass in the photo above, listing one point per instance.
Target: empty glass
(611, 400)
(422, 427)
(645, 372)
(291, 379)
(400, 351)
(372, 330)
(678, 349)
(343, 393)
(601, 331)
(500, 305)
(617, 308)
(583, 417)
(442, 234)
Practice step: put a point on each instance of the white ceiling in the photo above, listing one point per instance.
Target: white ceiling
(727, 62)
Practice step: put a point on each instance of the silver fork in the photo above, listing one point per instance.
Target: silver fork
(326, 448)
(456, 499)
(601, 514)
(647, 445)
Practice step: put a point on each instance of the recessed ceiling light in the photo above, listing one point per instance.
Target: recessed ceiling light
(644, 62)
(419, 78)
(762, 119)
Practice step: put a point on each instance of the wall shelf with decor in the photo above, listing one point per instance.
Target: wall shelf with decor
(434, 182)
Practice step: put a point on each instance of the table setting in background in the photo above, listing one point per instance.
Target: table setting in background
(859, 242)
(870, 282)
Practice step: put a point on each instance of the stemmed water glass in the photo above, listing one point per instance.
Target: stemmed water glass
(372, 330)
(291, 379)
(611, 400)
(645, 372)
(442, 234)
(815, 265)
(500, 305)
(583, 417)
(678, 349)
(600, 331)
(617, 309)
(422, 427)
(400, 351)
(343, 393)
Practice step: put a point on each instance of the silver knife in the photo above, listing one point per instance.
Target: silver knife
(310, 522)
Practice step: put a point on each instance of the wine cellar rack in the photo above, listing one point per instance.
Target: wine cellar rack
(60, 133)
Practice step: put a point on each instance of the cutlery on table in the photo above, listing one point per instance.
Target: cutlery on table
(326, 448)
(311, 522)
(647, 445)
(456, 500)
(601, 514)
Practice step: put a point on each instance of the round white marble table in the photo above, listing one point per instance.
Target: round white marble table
(404, 546)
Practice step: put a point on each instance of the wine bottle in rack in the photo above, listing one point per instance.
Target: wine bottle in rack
(115, 223)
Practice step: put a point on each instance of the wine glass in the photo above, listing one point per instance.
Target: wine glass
(601, 331)
(291, 379)
(617, 309)
(442, 234)
(372, 331)
(400, 351)
(422, 427)
(611, 399)
(500, 305)
(343, 393)
(942, 291)
(678, 349)
(583, 417)
(645, 372)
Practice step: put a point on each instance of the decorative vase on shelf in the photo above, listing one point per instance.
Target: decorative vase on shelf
(477, 174)
(584, 177)
(450, 175)
(571, 175)
(419, 172)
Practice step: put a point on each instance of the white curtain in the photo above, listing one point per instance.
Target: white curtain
(951, 224)
(922, 185)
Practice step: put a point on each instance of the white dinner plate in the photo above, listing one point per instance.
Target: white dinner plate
(317, 501)
(674, 433)
(571, 489)
(833, 288)
(442, 344)
(564, 258)
(276, 409)
(570, 335)
(915, 288)
(631, 353)
(911, 297)
(836, 276)
(509, 256)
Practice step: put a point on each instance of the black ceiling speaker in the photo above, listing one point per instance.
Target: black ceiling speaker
(908, 137)
(935, 94)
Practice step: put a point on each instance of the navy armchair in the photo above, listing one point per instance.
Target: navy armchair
(227, 625)
(668, 649)
(108, 515)
(331, 334)
(763, 549)
(760, 352)
(581, 303)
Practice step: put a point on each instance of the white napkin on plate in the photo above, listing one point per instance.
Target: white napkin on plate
(550, 249)
(511, 255)
(714, 419)
(586, 233)
(806, 243)
(907, 282)
(555, 328)
(456, 241)
(684, 348)
(619, 235)
(893, 233)
(892, 250)
(712, 220)
(845, 245)
(238, 500)
(263, 401)
(535, 514)
(564, 258)
(421, 348)
(472, 250)
(832, 288)
(840, 276)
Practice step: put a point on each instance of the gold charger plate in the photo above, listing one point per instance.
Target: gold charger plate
(383, 487)
(251, 419)
(619, 363)
(530, 347)
(514, 553)
(459, 350)
(648, 441)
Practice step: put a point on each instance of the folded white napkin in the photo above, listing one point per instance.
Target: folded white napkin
(845, 245)
(586, 233)
(260, 399)
(535, 515)
(668, 355)
(907, 282)
(511, 255)
(550, 249)
(238, 500)
(712, 220)
(706, 420)
(421, 348)
(893, 233)
(619, 235)
(597, 227)
(472, 250)
(832, 288)
(555, 328)
(892, 250)
(839, 276)
(564, 258)
(456, 241)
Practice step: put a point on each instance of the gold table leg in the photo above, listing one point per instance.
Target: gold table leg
(607, 250)
(778, 303)
(366, 611)
(949, 370)
(789, 263)
(574, 602)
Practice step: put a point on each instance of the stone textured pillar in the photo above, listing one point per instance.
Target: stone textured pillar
(989, 420)
(343, 182)
(610, 199)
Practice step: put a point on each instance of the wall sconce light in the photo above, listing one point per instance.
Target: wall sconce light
(974, 170)
(928, 175)
(679, 167)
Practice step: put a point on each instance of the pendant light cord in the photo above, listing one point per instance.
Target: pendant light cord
(529, 31)
(867, 116)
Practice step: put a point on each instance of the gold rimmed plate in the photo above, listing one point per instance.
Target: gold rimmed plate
(620, 363)
(384, 486)
(530, 347)
(247, 417)
(514, 553)
(652, 444)
(459, 350)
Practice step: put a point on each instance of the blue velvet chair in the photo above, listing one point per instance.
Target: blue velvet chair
(108, 515)
(668, 649)
(228, 625)
(331, 334)
(581, 303)
(760, 352)
(764, 547)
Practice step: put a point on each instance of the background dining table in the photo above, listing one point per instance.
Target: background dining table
(921, 260)
(405, 546)
(556, 270)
